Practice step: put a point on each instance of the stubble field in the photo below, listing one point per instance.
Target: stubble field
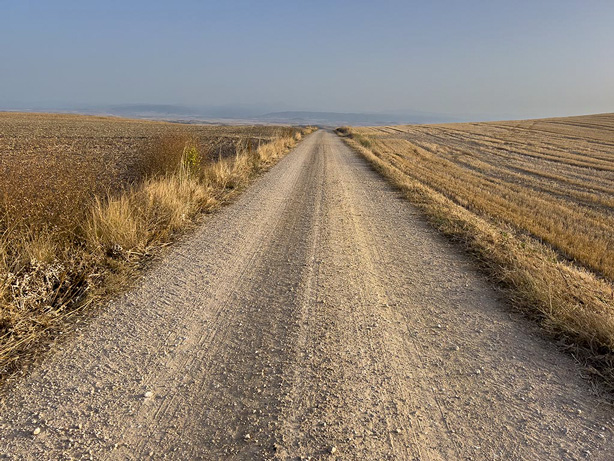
(533, 200)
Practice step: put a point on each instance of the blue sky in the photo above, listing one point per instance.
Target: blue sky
(508, 58)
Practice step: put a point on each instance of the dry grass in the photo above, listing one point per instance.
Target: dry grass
(86, 201)
(533, 200)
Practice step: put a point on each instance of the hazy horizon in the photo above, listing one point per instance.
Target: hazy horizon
(471, 60)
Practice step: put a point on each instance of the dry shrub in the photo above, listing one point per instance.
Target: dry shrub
(161, 154)
(343, 130)
(229, 173)
(167, 152)
(115, 225)
(173, 200)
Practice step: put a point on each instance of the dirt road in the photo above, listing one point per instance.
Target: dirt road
(318, 316)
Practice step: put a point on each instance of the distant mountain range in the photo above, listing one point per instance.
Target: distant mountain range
(239, 114)
(350, 118)
(245, 115)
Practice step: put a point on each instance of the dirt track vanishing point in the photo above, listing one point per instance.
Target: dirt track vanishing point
(317, 316)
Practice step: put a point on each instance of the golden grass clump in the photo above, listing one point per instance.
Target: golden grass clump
(503, 204)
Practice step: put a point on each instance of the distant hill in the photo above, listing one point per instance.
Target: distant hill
(230, 114)
(238, 114)
(349, 118)
(153, 109)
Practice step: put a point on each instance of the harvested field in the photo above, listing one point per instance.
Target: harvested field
(553, 178)
(533, 199)
(50, 162)
(85, 201)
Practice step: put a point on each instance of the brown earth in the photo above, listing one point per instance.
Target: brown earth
(318, 316)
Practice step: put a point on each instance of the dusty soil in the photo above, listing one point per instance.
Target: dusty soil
(318, 316)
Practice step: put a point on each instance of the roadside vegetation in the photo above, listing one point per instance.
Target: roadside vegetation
(85, 202)
(532, 200)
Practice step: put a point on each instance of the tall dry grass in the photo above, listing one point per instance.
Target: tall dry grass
(571, 301)
(51, 270)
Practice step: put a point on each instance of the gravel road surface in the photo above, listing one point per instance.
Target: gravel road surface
(317, 316)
